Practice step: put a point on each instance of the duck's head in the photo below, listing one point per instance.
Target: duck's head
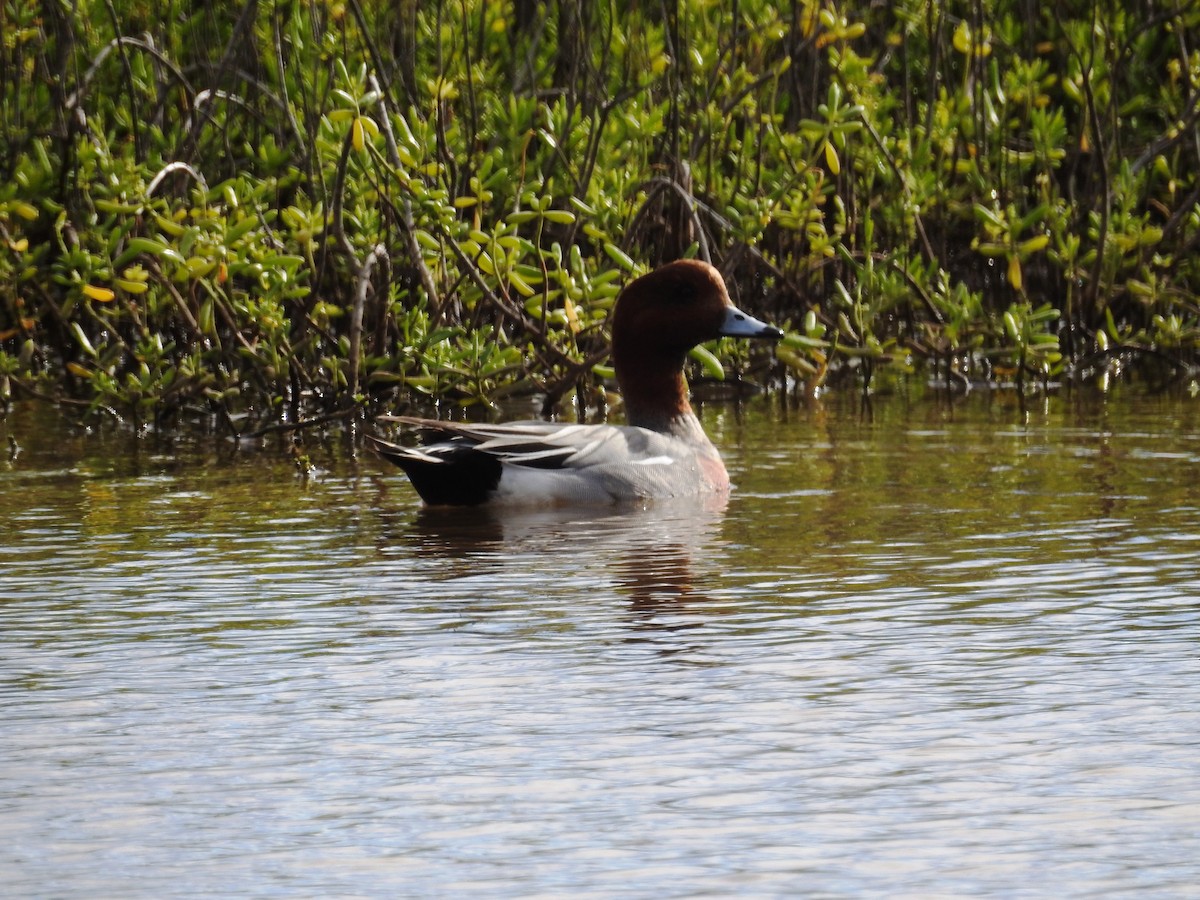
(658, 319)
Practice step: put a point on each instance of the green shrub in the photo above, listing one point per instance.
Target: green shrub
(275, 212)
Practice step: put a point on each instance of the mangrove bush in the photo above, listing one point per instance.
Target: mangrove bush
(278, 212)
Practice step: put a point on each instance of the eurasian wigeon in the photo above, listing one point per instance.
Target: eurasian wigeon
(661, 452)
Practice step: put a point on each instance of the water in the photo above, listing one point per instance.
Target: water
(949, 651)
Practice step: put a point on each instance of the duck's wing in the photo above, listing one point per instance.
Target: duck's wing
(464, 463)
(540, 445)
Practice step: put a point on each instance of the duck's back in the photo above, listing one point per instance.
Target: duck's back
(547, 463)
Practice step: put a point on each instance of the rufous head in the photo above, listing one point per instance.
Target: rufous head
(658, 318)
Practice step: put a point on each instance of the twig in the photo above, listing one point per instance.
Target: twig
(339, 192)
(693, 207)
(76, 96)
(306, 423)
(49, 398)
(406, 213)
(243, 26)
(176, 166)
(378, 252)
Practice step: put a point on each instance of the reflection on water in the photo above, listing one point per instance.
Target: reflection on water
(946, 650)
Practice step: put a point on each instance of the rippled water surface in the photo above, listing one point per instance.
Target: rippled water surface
(950, 650)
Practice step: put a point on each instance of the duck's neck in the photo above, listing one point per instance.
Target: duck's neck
(657, 399)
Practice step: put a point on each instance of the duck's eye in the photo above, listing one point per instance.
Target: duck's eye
(682, 293)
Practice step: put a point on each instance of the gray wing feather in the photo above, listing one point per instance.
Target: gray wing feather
(542, 443)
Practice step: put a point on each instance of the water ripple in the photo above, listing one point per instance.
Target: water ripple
(852, 679)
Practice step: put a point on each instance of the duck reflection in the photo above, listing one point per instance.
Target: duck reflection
(656, 555)
(657, 578)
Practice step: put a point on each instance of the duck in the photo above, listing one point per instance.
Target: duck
(661, 452)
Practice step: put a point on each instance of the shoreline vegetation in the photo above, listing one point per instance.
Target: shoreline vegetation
(280, 214)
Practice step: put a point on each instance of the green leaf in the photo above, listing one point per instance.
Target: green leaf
(708, 361)
(620, 257)
(83, 341)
